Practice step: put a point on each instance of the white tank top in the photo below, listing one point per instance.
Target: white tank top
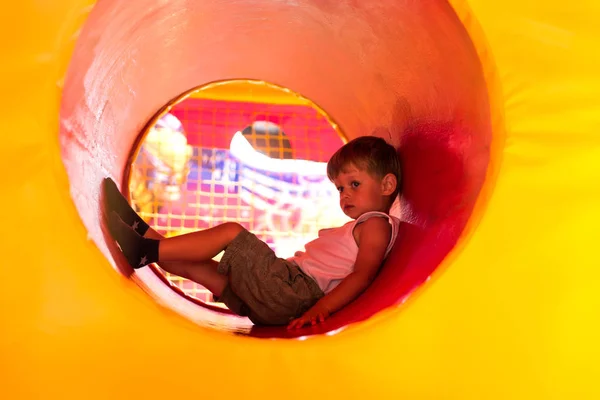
(331, 257)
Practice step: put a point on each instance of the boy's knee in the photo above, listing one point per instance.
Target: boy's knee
(233, 228)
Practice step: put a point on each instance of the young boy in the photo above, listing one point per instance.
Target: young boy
(250, 279)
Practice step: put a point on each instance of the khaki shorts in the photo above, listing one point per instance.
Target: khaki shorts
(267, 289)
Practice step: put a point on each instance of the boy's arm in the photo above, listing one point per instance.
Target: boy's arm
(373, 239)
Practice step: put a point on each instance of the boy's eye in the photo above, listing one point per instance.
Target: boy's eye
(340, 189)
(355, 184)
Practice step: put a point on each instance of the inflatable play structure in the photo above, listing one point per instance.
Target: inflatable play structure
(491, 289)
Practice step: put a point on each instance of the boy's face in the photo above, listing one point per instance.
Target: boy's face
(361, 192)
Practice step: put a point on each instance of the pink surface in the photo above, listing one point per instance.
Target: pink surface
(402, 70)
(212, 124)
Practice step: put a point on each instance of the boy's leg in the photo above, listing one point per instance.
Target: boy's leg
(203, 272)
(199, 246)
(196, 246)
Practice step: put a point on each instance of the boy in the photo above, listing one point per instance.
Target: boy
(250, 279)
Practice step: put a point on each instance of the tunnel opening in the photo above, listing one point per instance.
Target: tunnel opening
(416, 81)
(197, 165)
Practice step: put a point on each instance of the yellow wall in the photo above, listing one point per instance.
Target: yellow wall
(512, 314)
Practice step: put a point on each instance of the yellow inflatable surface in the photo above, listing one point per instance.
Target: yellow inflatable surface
(513, 312)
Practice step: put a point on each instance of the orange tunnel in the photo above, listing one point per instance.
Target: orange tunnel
(436, 112)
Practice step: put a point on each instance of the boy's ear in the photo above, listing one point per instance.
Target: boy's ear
(389, 184)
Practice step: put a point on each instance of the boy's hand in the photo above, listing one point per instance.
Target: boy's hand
(315, 315)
